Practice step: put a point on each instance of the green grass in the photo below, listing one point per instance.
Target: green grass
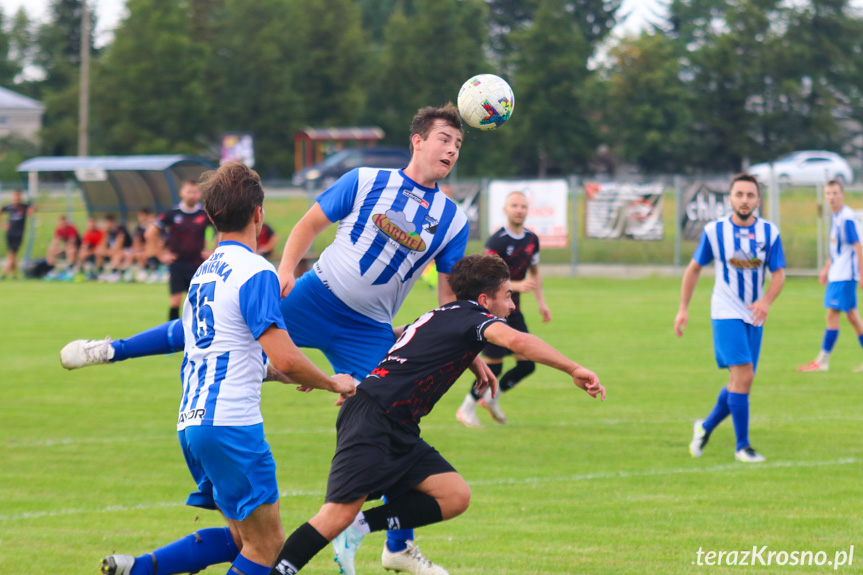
(89, 461)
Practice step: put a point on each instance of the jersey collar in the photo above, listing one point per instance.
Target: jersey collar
(233, 243)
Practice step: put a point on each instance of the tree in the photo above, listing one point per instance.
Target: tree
(426, 58)
(648, 107)
(251, 82)
(552, 126)
(21, 39)
(57, 59)
(157, 103)
(9, 67)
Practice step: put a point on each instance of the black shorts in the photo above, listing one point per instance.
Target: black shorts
(181, 275)
(14, 242)
(516, 322)
(376, 456)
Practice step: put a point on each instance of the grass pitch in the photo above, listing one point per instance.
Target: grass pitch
(89, 461)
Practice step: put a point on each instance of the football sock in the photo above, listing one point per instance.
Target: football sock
(522, 369)
(299, 548)
(397, 538)
(244, 566)
(166, 338)
(414, 509)
(173, 313)
(830, 337)
(192, 553)
(738, 403)
(495, 368)
(860, 339)
(719, 413)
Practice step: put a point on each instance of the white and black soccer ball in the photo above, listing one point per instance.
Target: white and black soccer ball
(485, 101)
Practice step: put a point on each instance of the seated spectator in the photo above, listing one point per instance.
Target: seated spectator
(116, 248)
(89, 259)
(142, 262)
(267, 241)
(65, 242)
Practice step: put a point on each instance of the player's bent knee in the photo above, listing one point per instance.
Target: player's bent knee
(333, 518)
(456, 502)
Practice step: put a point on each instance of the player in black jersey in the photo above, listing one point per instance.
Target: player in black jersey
(184, 247)
(519, 248)
(379, 450)
(14, 225)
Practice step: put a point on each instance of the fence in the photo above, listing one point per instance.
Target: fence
(658, 223)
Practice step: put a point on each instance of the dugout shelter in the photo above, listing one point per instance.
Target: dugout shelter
(120, 184)
(308, 143)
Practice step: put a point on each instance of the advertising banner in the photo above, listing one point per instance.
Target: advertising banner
(548, 217)
(616, 211)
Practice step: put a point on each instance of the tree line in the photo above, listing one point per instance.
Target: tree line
(707, 86)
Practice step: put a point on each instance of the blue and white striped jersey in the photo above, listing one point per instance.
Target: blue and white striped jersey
(741, 256)
(389, 229)
(233, 299)
(844, 233)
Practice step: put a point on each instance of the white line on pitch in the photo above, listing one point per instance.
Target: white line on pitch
(63, 441)
(477, 482)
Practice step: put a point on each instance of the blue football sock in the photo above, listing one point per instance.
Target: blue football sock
(860, 339)
(166, 338)
(397, 538)
(738, 403)
(830, 337)
(248, 567)
(719, 413)
(192, 553)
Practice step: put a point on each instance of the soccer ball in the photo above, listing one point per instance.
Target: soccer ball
(485, 102)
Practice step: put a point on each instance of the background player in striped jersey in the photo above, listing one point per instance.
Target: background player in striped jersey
(743, 247)
(230, 320)
(392, 223)
(519, 248)
(379, 448)
(841, 275)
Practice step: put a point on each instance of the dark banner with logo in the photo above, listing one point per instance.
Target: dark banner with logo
(703, 202)
(616, 211)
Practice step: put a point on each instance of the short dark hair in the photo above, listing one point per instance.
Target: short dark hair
(231, 195)
(426, 117)
(192, 181)
(745, 178)
(836, 182)
(478, 274)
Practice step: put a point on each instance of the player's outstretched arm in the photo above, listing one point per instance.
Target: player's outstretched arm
(535, 349)
(297, 368)
(687, 288)
(299, 243)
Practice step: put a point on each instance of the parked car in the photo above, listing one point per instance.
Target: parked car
(341, 162)
(806, 167)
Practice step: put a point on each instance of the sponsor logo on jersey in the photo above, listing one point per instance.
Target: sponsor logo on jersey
(380, 372)
(415, 198)
(396, 226)
(741, 259)
(191, 414)
(430, 224)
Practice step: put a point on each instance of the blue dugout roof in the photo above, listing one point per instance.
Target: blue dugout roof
(124, 184)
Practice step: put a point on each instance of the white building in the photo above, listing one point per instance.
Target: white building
(20, 115)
